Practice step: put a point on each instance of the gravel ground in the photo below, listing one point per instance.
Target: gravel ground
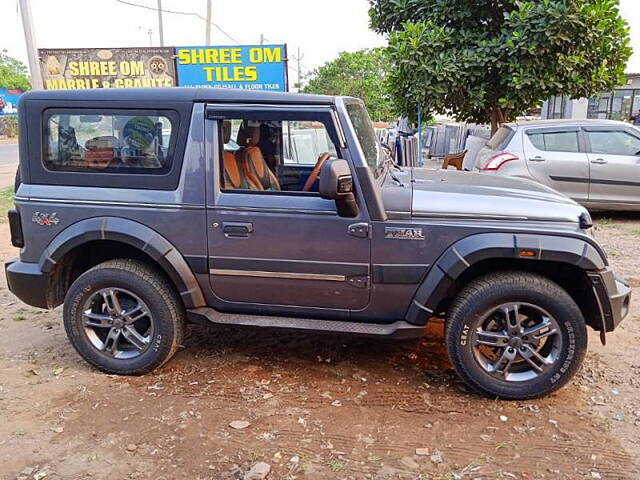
(310, 406)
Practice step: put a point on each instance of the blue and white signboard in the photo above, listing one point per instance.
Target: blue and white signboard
(250, 67)
(9, 101)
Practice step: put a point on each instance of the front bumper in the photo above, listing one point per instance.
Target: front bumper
(613, 295)
(27, 282)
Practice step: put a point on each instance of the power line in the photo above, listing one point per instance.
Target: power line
(176, 12)
(197, 15)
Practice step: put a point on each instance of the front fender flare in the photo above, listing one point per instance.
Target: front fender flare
(136, 235)
(475, 248)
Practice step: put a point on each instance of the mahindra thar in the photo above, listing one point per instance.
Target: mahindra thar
(143, 209)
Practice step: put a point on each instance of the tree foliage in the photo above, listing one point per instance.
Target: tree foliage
(490, 60)
(356, 74)
(13, 73)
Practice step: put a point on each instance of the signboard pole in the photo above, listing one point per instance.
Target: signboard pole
(286, 68)
(208, 27)
(160, 26)
(30, 39)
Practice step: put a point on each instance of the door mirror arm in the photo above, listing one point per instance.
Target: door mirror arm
(336, 183)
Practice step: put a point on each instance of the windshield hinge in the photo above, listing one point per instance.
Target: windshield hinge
(359, 230)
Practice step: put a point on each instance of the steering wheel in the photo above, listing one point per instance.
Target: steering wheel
(313, 176)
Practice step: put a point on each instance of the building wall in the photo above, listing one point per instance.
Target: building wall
(621, 104)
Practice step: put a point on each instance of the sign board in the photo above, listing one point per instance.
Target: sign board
(9, 101)
(249, 67)
(82, 68)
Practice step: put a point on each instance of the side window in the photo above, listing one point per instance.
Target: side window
(275, 152)
(109, 141)
(305, 142)
(554, 141)
(614, 142)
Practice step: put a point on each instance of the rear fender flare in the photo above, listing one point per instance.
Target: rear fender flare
(475, 248)
(136, 235)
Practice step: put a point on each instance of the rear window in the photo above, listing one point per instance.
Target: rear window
(555, 141)
(134, 141)
(500, 138)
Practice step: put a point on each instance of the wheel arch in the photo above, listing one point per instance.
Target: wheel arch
(111, 237)
(564, 260)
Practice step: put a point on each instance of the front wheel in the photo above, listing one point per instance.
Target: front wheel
(515, 335)
(124, 317)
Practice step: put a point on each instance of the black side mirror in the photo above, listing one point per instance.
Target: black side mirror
(336, 183)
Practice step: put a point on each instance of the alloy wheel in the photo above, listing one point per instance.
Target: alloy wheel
(516, 342)
(117, 323)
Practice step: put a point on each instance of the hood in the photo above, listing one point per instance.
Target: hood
(452, 193)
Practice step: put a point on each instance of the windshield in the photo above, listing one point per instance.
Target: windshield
(366, 135)
(500, 138)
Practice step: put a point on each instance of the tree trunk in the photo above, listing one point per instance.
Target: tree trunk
(497, 119)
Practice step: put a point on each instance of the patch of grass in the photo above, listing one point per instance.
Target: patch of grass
(6, 203)
(606, 222)
(635, 232)
(254, 457)
(336, 465)
(19, 316)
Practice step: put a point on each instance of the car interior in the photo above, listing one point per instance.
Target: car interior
(98, 142)
(273, 155)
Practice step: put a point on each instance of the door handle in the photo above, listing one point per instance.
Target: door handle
(599, 161)
(237, 229)
(537, 158)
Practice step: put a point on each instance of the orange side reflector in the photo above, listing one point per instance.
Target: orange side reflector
(527, 253)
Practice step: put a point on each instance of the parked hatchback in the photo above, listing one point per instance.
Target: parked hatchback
(594, 162)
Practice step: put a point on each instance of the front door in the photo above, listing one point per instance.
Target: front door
(275, 246)
(614, 155)
(554, 158)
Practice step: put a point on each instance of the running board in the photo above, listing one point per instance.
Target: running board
(398, 330)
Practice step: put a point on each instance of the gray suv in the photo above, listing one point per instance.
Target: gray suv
(594, 162)
(142, 210)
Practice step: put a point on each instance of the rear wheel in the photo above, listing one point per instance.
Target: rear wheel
(124, 317)
(515, 335)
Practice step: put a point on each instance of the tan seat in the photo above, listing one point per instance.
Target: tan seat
(251, 159)
(234, 177)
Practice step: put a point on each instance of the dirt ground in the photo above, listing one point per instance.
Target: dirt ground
(318, 407)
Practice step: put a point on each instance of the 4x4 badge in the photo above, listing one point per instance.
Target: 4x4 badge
(45, 218)
(403, 233)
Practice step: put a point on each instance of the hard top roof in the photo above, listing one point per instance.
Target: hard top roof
(180, 94)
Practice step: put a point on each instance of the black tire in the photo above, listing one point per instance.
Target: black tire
(470, 313)
(166, 319)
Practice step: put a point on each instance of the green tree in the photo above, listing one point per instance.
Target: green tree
(356, 74)
(490, 60)
(13, 73)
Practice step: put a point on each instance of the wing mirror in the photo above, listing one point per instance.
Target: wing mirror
(336, 183)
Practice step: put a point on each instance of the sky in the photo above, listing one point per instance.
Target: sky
(321, 29)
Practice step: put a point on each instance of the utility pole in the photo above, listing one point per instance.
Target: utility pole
(298, 58)
(208, 27)
(30, 40)
(160, 26)
(262, 39)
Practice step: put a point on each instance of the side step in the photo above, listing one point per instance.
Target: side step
(397, 330)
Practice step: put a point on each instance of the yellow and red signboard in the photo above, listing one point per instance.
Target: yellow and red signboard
(82, 68)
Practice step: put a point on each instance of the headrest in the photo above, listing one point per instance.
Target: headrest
(226, 131)
(248, 136)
